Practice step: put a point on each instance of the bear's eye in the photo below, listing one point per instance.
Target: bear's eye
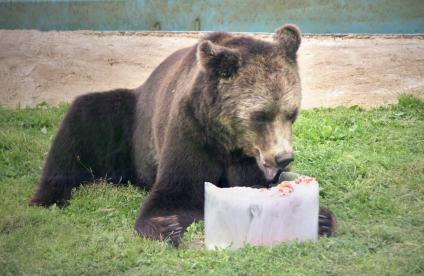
(293, 115)
(261, 117)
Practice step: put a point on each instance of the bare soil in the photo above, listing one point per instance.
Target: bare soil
(56, 67)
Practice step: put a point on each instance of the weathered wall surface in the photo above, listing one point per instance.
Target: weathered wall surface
(313, 16)
(53, 66)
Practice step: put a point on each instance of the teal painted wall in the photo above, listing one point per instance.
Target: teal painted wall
(320, 16)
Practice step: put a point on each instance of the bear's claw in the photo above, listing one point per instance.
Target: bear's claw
(165, 228)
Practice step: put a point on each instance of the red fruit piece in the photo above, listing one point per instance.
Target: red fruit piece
(285, 188)
(305, 180)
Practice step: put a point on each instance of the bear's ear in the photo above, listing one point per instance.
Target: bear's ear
(221, 61)
(289, 38)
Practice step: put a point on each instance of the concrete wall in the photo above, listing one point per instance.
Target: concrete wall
(319, 16)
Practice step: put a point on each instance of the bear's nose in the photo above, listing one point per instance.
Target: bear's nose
(283, 161)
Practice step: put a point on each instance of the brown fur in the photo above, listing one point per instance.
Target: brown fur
(220, 111)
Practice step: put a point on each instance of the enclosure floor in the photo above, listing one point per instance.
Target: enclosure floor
(54, 67)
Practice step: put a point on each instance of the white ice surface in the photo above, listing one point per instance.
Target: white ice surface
(240, 215)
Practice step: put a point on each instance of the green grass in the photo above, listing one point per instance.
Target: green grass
(370, 164)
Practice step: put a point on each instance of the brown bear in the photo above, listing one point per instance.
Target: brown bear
(220, 111)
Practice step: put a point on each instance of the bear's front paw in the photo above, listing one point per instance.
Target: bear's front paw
(161, 228)
(327, 223)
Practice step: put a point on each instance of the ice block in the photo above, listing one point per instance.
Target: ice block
(238, 216)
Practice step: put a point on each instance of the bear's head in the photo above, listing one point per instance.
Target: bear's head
(252, 92)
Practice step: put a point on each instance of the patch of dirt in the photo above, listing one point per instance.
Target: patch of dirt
(54, 67)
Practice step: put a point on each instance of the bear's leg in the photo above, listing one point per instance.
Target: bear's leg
(93, 142)
(327, 223)
(177, 197)
(165, 217)
(167, 225)
(166, 213)
(63, 169)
